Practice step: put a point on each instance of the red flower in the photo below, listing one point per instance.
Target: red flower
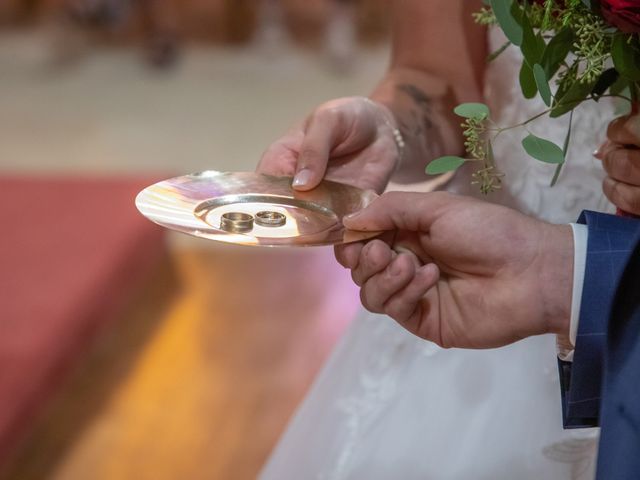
(624, 14)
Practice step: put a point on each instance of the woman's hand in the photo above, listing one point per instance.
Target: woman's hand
(620, 157)
(349, 140)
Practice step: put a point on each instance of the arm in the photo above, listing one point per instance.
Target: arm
(609, 245)
(464, 273)
(437, 61)
(423, 84)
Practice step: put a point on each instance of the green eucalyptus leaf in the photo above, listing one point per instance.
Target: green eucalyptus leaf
(573, 97)
(542, 84)
(478, 111)
(620, 85)
(556, 51)
(527, 81)
(506, 20)
(566, 82)
(626, 57)
(542, 149)
(444, 164)
(533, 45)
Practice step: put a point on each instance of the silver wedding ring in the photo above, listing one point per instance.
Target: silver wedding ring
(236, 222)
(270, 219)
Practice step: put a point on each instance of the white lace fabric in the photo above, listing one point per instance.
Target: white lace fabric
(388, 405)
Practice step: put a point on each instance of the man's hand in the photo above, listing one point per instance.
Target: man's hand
(349, 140)
(461, 272)
(620, 157)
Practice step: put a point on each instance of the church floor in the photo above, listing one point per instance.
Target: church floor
(199, 379)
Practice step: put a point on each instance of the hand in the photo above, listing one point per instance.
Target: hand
(348, 140)
(468, 273)
(620, 157)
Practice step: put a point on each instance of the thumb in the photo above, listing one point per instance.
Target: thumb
(321, 133)
(400, 211)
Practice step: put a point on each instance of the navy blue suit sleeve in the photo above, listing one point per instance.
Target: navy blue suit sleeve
(610, 243)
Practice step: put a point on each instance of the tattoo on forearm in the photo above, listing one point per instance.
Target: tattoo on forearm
(420, 123)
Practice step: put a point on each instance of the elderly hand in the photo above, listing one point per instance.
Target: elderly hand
(620, 157)
(461, 272)
(349, 140)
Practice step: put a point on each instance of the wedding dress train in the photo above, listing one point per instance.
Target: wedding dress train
(388, 405)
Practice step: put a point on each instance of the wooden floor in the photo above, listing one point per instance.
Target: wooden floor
(201, 381)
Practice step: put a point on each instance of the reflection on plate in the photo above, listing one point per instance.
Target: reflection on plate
(195, 204)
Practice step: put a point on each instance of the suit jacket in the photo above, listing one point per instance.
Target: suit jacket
(602, 384)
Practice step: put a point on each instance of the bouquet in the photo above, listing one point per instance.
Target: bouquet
(573, 51)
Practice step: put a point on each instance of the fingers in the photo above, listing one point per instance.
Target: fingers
(304, 152)
(403, 211)
(364, 260)
(375, 256)
(378, 289)
(623, 165)
(281, 157)
(625, 130)
(622, 195)
(323, 130)
(348, 255)
(405, 305)
(278, 159)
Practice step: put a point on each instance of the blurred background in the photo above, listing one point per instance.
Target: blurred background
(127, 352)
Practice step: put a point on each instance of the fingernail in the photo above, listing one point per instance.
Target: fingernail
(598, 153)
(302, 178)
(347, 220)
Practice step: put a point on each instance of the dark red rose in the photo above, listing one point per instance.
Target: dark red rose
(624, 14)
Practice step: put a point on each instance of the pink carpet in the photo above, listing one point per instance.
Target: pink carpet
(72, 252)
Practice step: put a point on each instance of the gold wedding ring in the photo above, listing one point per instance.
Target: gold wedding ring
(236, 222)
(270, 219)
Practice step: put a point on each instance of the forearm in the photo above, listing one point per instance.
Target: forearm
(437, 61)
(422, 108)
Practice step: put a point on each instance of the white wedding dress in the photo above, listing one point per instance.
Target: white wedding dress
(388, 405)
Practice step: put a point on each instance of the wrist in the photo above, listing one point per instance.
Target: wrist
(389, 125)
(556, 278)
(422, 106)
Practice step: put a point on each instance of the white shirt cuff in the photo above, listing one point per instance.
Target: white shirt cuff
(580, 237)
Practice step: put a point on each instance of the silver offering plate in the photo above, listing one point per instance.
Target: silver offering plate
(249, 208)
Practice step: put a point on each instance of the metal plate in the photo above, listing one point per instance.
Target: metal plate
(194, 204)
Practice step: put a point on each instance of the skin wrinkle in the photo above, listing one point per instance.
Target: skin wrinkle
(501, 303)
(378, 263)
(444, 324)
(621, 194)
(393, 304)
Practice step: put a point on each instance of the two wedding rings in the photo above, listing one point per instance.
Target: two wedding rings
(238, 222)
